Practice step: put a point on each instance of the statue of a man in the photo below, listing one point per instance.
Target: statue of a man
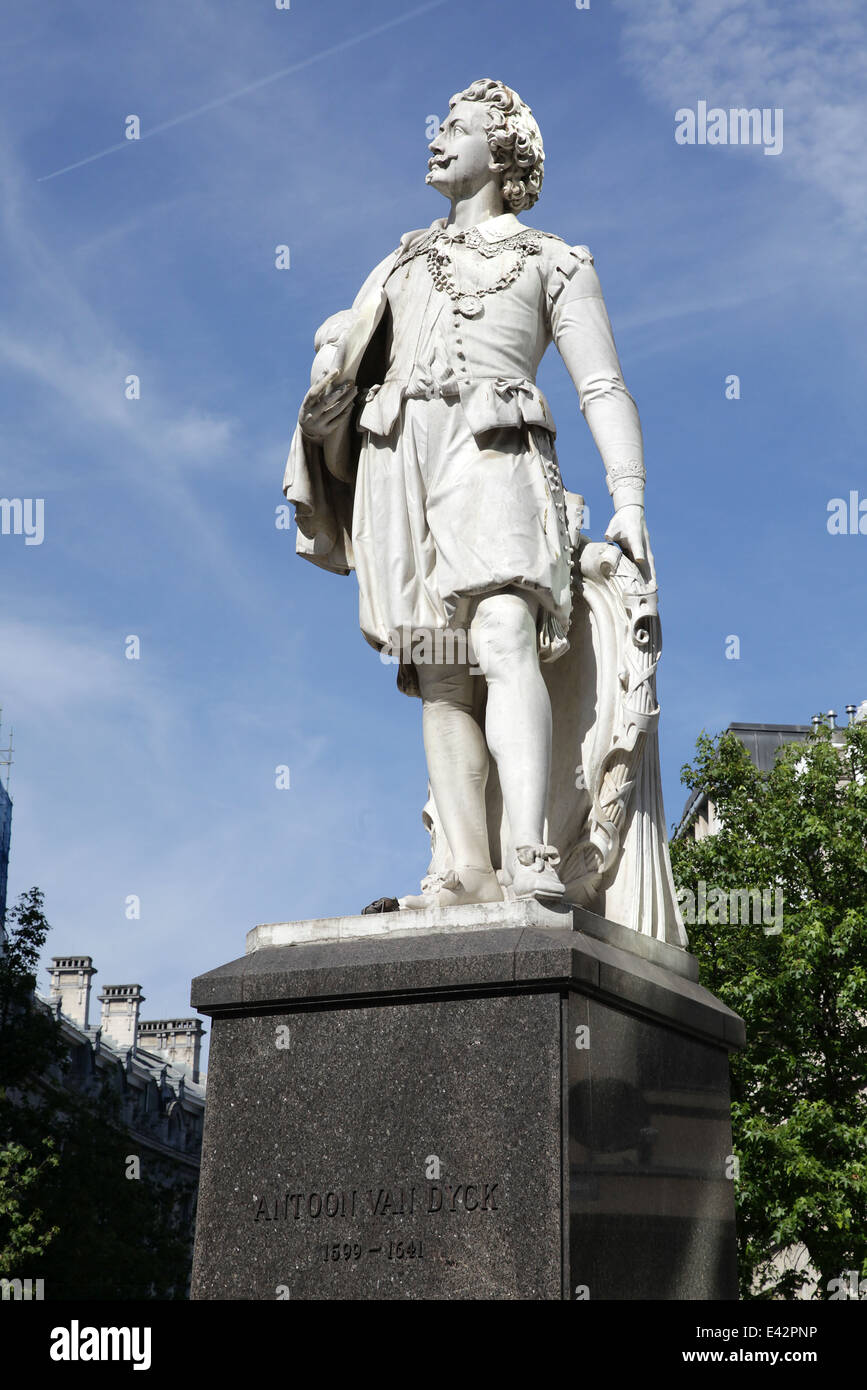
(424, 459)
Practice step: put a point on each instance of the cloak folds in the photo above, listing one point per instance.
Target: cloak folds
(320, 481)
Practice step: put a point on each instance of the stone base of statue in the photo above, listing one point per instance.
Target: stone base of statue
(509, 1101)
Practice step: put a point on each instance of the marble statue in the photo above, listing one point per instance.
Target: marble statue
(424, 459)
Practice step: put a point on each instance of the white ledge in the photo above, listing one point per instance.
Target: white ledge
(524, 912)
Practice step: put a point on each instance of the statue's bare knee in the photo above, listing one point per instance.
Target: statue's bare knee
(503, 631)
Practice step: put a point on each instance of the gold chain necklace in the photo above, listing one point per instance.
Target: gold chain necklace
(433, 247)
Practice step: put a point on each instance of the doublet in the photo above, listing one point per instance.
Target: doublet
(452, 487)
(493, 358)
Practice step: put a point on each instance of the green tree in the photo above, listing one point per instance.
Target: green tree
(30, 1041)
(30, 1045)
(68, 1212)
(23, 1230)
(799, 981)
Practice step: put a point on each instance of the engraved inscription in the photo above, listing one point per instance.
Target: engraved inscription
(351, 1251)
(378, 1202)
(356, 1222)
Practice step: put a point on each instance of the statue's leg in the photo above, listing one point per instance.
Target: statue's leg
(518, 728)
(457, 760)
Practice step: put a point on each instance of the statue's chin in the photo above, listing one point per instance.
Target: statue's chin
(435, 178)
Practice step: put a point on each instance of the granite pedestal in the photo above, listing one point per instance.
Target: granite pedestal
(525, 1103)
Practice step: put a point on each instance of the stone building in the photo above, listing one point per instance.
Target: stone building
(153, 1066)
(762, 741)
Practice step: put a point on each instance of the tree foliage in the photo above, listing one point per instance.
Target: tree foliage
(30, 1041)
(69, 1214)
(799, 1088)
(23, 1229)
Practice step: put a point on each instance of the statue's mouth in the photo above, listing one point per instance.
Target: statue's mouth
(441, 161)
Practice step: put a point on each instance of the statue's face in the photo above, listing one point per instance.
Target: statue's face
(460, 162)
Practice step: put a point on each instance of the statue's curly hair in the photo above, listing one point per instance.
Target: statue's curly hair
(514, 139)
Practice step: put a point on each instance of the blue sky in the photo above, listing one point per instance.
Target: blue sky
(156, 777)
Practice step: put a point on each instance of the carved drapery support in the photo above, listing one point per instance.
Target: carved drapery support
(619, 599)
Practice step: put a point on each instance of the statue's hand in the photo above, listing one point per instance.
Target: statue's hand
(324, 406)
(629, 529)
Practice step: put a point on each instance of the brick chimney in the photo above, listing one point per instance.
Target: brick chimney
(120, 1007)
(70, 985)
(179, 1039)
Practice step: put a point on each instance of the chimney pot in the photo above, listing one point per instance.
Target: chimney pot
(120, 1010)
(179, 1039)
(70, 986)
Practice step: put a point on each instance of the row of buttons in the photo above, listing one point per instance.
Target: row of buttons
(460, 354)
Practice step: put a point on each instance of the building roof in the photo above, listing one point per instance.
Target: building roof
(139, 1060)
(762, 742)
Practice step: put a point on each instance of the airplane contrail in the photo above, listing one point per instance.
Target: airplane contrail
(251, 87)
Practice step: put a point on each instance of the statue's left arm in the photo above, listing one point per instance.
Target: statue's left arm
(582, 334)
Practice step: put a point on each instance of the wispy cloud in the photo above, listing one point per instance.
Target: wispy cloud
(808, 59)
(76, 360)
(333, 49)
